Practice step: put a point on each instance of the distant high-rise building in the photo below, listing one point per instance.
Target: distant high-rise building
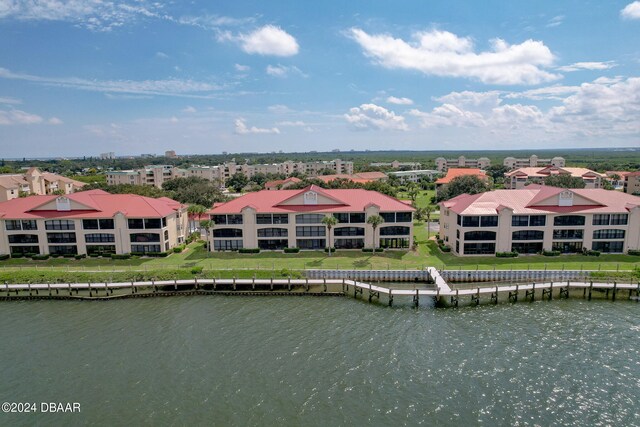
(109, 155)
(170, 154)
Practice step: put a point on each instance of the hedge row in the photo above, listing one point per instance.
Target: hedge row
(507, 254)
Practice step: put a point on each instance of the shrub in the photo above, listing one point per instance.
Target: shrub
(17, 255)
(506, 254)
(291, 250)
(69, 255)
(120, 256)
(197, 269)
(95, 255)
(4, 256)
(551, 253)
(445, 248)
(379, 249)
(80, 256)
(591, 253)
(367, 249)
(249, 251)
(635, 252)
(40, 257)
(440, 242)
(333, 250)
(178, 249)
(56, 255)
(30, 254)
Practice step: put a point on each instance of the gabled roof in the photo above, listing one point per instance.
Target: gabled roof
(348, 200)
(361, 177)
(529, 200)
(537, 172)
(279, 182)
(453, 173)
(99, 204)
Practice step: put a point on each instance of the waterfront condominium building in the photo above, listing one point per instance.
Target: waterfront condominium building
(532, 162)
(415, 175)
(293, 219)
(632, 183)
(539, 218)
(524, 176)
(34, 181)
(442, 164)
(91, 222)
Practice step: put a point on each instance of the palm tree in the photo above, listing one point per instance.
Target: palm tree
(329, 221)
(195, 211)
(413, 192)
(208, 225)
(375, 221)
(427, 213)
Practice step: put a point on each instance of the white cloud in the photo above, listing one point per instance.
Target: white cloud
(555, 21)
(449, 115)
(279, 109)
(399, 101)
(631, 11)
(162, 55)
(189, 109)
(95, 15)
(478, 99)
(209, 22)
(242, 68)
(442, 53)
(283, 71)
(550, 92)
(372, 116)
(173, 87)
(292, 123)
(269, 40)
(242, 129)
(10, 101)
(54, 121)
(173, 119)
(18, 117)
(588, 66)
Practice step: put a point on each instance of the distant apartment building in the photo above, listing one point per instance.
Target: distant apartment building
(632, 183)
(539, 218)
(34, 181)
(158, 174)
(91, 222)
(533, 161)
(442, 164)
(397, 165)
(274, 220)
(521, 177)
(107, 156)
(415, 175)
(171, 154)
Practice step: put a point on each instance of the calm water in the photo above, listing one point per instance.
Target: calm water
(321, 362)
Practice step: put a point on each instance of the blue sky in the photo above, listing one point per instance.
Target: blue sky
(85, 77)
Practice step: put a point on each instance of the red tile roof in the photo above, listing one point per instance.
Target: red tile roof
(352, 200)
(539, 199)
(275, 184)
(98, 204)
(457, 172)
(361, 177)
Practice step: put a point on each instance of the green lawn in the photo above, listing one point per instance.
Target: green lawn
(423, 199)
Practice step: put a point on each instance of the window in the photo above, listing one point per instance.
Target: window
(388, 216)
(227, 232)
(479, 248)
(264, 219)
(568, 234)
(527, 248)
(136, 224)
(227, 219)
(311, 243)
(480, 235)
(608, 246)
(520, 221)
(608, 234)
(567, 247)
(24, 250)
(601, 219)
(227, 245)
(166, 234)
(341, 217)
(459, 219)
(357, 218)
(146, 248)
(348, 243)
(470, 221)
(568, 220)
(144, 237)
(403, 216)
(90, 224)
(309, 219)
(619, 219)
(537, 220)
(164, 221)
(61, 237)
(273, 232)
(94, 249)
(489, 221)
(23, 238)
(99, 238)
(527, 235)
(63, 250)
(311, 231)
(394, 243)
(273, 244)
(152, 223)
(272, 218)
(219, 219)
(394, 231)
(348, 231)
(59, 224)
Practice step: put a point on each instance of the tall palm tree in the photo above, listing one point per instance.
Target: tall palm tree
(329, 221)
(427, 213)
(208, 225)
(194, 212)
(375, 221)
